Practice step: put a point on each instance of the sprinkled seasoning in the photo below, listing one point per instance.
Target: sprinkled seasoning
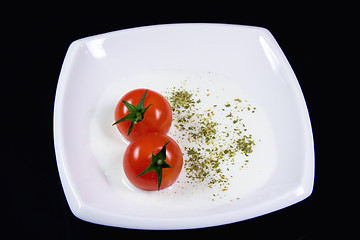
(210, 147)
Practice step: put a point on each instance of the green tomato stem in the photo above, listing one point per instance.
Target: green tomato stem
(136, 113)
(157, 164)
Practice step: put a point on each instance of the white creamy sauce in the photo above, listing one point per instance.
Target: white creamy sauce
(108, 146)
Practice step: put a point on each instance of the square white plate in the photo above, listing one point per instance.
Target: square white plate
(250, 56)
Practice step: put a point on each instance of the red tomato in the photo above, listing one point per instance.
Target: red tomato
(139, 154)
(157, 116)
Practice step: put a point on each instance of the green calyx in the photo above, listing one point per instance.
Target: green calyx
(157, 164)
(136, 114)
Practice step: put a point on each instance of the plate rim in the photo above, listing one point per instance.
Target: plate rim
(85, 212)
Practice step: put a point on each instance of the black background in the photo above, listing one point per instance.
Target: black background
(35, 40)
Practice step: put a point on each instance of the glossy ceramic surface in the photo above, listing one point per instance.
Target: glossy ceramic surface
(250, 56)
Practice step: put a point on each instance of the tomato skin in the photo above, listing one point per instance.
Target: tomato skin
(157, 118)
(137, 158)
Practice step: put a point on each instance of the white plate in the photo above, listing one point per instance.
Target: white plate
(248, 56)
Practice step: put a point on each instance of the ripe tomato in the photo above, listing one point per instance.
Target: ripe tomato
(139, 155)
(155, 117)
